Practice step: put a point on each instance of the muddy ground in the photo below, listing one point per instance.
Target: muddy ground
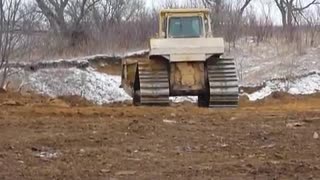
(68, 138)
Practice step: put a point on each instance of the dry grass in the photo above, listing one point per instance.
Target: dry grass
(125, 40)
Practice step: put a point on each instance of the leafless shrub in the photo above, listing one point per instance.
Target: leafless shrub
(194, 4)
(66, 17)
(260, 28)
(68, 28)
(10, 35)
(290, 9)
(311, 26)
(169, 4)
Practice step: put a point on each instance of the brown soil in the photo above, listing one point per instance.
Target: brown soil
(75, 101)
(42, 138)
(112, 69)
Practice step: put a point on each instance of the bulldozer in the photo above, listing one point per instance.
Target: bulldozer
(184, 60)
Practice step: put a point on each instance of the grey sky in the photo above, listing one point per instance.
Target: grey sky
(258, 6)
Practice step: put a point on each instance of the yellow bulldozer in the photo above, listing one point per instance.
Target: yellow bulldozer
(185, 60)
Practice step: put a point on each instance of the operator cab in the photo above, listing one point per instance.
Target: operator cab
(185, 23)
(185, 27)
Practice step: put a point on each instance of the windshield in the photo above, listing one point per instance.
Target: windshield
(185, 27)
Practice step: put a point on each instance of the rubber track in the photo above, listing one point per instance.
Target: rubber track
(223, 83)
(154, 85)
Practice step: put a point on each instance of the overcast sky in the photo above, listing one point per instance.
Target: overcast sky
(258, 6)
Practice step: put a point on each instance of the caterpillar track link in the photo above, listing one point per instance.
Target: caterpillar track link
(223, 83)
(153, 84)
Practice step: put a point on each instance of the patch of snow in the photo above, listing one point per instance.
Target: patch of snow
(47, 155)
(48, 61)
(102, 88)
(264, 92)
(179, 99)
(258, 66)
(135, 53)
(300, 86)
(98, 56)
(78, 60)
(169, 121)
(89, 84)
(271, 59)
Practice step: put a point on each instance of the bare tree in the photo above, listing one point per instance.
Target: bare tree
(226, 15)
(32, 28)
(110, 25)
(65, 16)
(9, 35)
(112, 12)
(170, 4)
(289, 9)
(233, 22)
(243, 7)
(310, 23)
(261, 27)
(216, 7)
(194, 3)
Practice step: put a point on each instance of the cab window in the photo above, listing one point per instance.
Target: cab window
(185, 27)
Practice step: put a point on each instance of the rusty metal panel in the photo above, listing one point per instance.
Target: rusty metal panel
(187, 76)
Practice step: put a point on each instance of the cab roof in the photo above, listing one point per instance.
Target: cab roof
(190, 10)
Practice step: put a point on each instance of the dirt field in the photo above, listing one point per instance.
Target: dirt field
(67, 138)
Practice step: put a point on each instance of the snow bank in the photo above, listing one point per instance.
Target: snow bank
(272, 59)
(136, 53)
(299, 86)
(102, 88)
(96, 87)
(63, 78)
(79, 62)
(89, 84)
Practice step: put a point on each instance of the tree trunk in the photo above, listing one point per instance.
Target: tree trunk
(4, 76)
(289, 26)
(284, 19)
(217, 16)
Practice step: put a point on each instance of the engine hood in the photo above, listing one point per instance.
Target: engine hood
(186, 49)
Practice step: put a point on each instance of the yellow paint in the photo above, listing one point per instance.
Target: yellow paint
(187, 76)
